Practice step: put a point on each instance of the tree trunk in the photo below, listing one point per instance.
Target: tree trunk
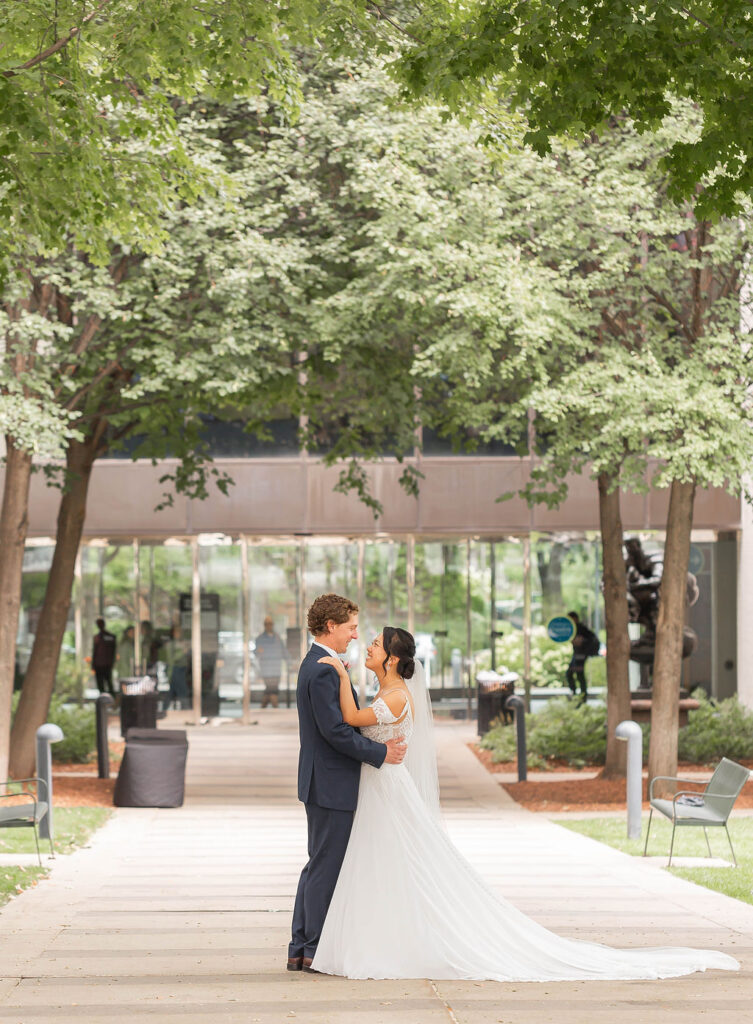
(14, 522)
(665, 715)
(40, 675)
(616, 616)
(550, 575)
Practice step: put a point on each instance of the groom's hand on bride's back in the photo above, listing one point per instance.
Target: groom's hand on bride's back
(395, 751)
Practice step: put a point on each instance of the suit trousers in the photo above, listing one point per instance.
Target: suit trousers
(328, 834)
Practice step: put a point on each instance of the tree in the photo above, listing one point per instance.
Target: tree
(90, 150)
(569, 70)
(646, 380)
(142, 350)
(445, 282)
(332, 252)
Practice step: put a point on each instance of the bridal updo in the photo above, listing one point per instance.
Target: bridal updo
(399, 643)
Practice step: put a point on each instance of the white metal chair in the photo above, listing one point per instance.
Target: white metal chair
(24, 813)
(706, 808)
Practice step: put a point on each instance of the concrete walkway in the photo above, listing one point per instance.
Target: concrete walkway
(184, 914)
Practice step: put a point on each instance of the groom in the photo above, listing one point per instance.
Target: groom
(329, 768)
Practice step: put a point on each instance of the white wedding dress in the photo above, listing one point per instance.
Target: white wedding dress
(408, 905)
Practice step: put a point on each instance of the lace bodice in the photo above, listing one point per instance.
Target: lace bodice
(387, 726)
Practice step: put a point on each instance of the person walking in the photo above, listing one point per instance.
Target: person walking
(270, 653)
(103, 657)
(585, 645)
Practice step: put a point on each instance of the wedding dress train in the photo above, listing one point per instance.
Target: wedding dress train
(408, 905)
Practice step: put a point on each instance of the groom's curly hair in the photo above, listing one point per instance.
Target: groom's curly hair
(329, 608)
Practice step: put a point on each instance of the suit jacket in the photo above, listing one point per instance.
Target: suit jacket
(329, 765)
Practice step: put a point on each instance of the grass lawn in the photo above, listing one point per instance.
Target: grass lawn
(73, 827)
(689, 842)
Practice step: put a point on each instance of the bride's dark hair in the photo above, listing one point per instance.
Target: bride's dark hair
(400, 644)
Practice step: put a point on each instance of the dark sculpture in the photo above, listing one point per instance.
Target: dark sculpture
(644, 574)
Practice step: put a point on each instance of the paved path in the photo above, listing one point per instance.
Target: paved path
(180, 915)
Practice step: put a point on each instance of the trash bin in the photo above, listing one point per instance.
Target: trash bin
(153, 770)
(139, 703)
(493, 690)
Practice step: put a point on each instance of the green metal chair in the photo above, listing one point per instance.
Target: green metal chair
(707, 808)
(27, 814)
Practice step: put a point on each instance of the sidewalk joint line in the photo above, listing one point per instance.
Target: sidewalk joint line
(444, 1003)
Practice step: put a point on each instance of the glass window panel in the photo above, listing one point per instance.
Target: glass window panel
(440, 609)
(274, 572)
(36, 566)
(221, 629)
(106, 589)
(165, 572)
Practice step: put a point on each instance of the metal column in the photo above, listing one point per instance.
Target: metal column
(468, 626)
(78, 627)
(137, 609)
(493, 601)
(527, 620)
(196, 629)
(245, 609)
(361, 586)
(410, 581)
(302, 598)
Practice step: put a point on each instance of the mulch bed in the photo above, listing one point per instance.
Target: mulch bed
(77, 785)
(117, 749)
(584, 794)
(485, 757)
(81, 791)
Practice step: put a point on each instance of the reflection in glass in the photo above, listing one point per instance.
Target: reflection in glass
(274, 594)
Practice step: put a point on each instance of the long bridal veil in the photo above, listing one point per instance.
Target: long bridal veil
(421, 757)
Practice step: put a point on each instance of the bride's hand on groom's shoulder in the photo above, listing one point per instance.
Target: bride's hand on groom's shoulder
(336, 664)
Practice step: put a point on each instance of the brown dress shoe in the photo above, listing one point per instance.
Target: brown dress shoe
(295, 963)
(307, 961)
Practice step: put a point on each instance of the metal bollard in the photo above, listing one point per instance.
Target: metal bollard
(517, 704)
(46, 735)
(631, 733)
(103, 703)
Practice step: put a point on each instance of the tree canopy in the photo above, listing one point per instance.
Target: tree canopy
(568, 68)
(89, 144)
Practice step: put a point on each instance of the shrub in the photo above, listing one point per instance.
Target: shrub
(79, 731)
(562, 730)
(69, 678)
(577, 734)
(717, 730)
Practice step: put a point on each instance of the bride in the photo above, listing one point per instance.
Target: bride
(407, 904)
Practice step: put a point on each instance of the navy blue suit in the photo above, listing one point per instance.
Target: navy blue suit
(329, 769)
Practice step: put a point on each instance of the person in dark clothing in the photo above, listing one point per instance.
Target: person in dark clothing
(585, 645)
(103, 657)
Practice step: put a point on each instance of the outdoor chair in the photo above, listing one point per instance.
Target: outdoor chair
(27, 811)
(707, 808)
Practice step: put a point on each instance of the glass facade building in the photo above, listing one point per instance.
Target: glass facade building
(472, 602)
(476, 579)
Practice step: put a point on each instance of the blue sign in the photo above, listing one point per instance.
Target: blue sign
(560, 629)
